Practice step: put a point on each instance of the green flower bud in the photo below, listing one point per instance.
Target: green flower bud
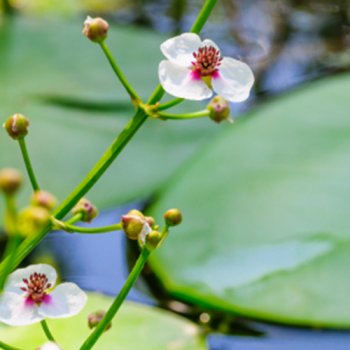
(219, 109)
(16, 126)
(44, 199)
(132, 225)
(86, 208)
(95, 318)
(153, 239)
(96, 29)
(10, 181)
(173, 217)
(32, 220)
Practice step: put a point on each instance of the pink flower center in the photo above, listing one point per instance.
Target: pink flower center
(36, 287)
(207, 61)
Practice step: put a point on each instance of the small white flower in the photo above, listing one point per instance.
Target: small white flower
(194, 68)
(29, 296)
(49, 346)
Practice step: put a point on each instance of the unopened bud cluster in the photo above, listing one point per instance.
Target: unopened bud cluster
(10, 181)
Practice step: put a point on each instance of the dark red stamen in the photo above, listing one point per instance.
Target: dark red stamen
(36, 287)
(207, 60)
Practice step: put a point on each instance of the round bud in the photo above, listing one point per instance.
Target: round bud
(95, 318)
(173, 217)
(153, 239)
(219, 109)
(32, 220)
(96, 29)
(10, 181)
(44, 199)
(16, 126)
(132, 226)
(86, 208)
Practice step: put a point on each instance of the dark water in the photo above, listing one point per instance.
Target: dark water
(288, 43)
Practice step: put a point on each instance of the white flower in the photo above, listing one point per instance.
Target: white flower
(194, 68)
(49, 346)
(29, 296)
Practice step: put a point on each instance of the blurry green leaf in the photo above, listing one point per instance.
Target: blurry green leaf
(135, 327)
(63, 83)
(256, 207)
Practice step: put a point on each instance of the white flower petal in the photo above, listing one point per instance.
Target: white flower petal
(14, 310)
(146, 229)
(234, 80)
(180, 49)
(178, 81)
(15, 279)
(66, 300)
(208, 42)
(49, 346)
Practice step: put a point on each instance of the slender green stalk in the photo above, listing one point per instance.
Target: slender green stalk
(5, 346)
(28, 164)
(75, 218)
(7, 8)
(199, 114)
(203, 16)
(169, 104)
(78, 229)
(134, 96)
(134, 274)
(107, 158)
(47, 331)
(10, 254)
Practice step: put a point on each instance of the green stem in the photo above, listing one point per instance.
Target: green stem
(108, 157)
(7, 8)
(75, 218)
(203, 16)
(169, 104)
(134, 96)
(199, 114)
(10, 254)
(5, 346)
(28, 164)
(47, 331)
(78, 229)
(134, 274)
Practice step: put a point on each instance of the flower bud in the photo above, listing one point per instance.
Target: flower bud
(95, 318)
(44, 199)
(10, 181)
(16, 126)
(153, 239)
(219, 109)
(150, 221)
(86, 208)
(32, 220)
(173, 217)
(132, 225)
(96, 29)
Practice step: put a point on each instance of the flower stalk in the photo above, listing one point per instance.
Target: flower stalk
(89, 230)
(194, 115)
(28, 164)
(47, 331)
(101, 327)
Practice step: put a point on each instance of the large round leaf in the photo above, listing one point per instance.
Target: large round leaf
(64, 84)
(266, 214)
(135, 327)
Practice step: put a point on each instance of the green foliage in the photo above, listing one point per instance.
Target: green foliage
(135, 327)
(266, 214)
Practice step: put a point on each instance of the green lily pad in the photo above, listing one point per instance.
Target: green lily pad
(135, 327)
(266, 229)
(64, 84)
